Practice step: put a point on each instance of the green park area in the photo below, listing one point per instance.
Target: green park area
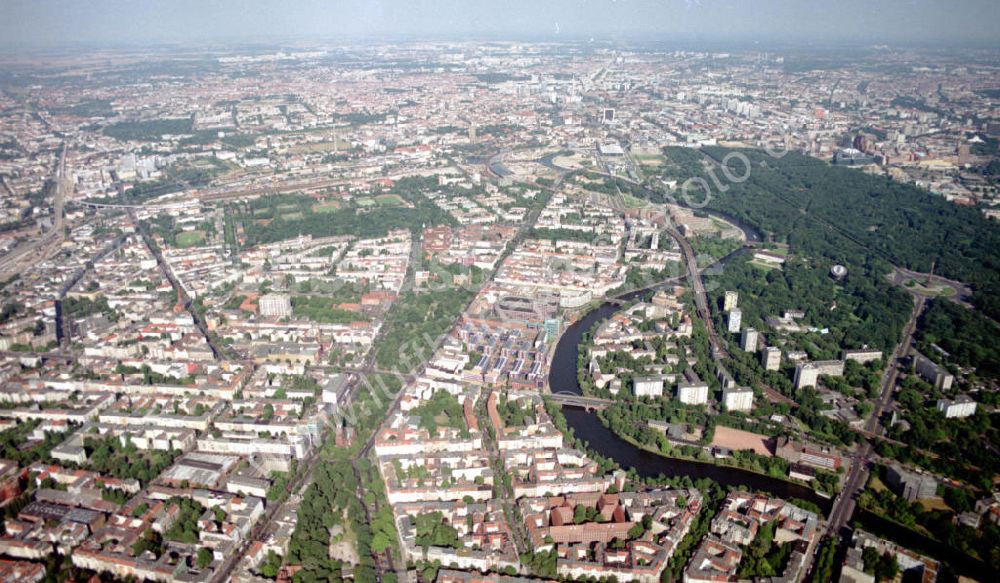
(929, 289)
(326, 207)
(271, 218)
(381, 200)
(650, 160)
(633, 201)
(190, 238)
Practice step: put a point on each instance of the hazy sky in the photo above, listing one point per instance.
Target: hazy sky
(29, 23)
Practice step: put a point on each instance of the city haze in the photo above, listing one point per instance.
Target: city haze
(505, 292)
(47, 23)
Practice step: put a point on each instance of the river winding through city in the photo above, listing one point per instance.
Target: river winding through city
(586, 425)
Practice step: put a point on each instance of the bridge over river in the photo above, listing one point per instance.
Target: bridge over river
(575, 400)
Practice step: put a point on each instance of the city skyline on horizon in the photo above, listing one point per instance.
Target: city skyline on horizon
(415, 309)
(115, 23)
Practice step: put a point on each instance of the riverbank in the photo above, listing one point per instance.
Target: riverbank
(717, 462)
(604, 442)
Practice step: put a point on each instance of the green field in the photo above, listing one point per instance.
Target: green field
(763, 266)
(633, 202)
(389, 200)
(929, 291)
(190, 238)
(382, 200)
(152, 129)
(653, 160)
(326, 207)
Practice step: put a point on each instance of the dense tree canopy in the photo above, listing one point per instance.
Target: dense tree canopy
(853, 218)
(277, 218)
(970, 339)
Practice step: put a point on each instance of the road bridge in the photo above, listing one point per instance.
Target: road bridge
(574, 400)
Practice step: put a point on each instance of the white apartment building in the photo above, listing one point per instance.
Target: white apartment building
(806, 375)
(735, 319)
(738, 398)
(647, 387)
(692, 393)
(275, 306)
(961, 406)
(771, 358)
(730, 301)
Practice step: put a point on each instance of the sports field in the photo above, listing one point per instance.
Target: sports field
(738, 440)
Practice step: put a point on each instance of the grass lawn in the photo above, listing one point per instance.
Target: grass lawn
(190, 238)
(389, 200)
(783, 251)
(935, 290)
(650, 160)
(366, 202)
(326, 207)
(764, 266)
(633, 202)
